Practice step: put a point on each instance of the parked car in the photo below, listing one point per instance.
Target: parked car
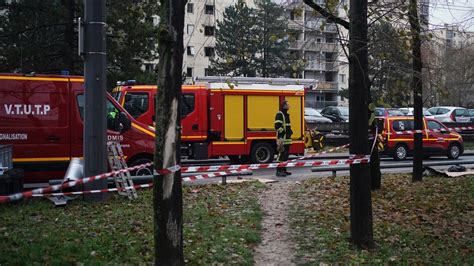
(470, 113)
(313, 116)
(380, 111)
(336, 113)
(410, 110)
(399, 146)
(449, 114)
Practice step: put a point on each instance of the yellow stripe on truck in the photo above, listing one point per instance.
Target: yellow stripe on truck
(52, 159)
(143, 130)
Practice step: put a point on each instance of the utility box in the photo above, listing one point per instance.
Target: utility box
(6, 159)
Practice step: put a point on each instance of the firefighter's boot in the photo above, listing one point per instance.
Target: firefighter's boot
(280, 172)
(286, 172)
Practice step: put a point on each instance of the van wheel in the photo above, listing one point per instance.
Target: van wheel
(400, 152)
(262, 152)
(454, 151)
(142, 171)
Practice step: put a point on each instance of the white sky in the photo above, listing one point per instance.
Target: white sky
(460, 12)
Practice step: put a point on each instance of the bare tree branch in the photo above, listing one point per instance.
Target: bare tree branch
(328, 15)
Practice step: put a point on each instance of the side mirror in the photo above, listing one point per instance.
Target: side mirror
(123, 123)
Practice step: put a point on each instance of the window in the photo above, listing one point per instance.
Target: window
(209, 51)
(434, 125)
(112, 111)
(442, 111)
(190, 8)
(149, 68)
(209, 9)
(329, 57)
(329, 38)
(190, 50)
(292, 15)
(342, 77)
(136, 103)
(187, 105)
(329, 76)
(208, 31)
(189, 72)
(401, 125)
(190, 29)
(433, 110)
(460, 112)
(208, 72)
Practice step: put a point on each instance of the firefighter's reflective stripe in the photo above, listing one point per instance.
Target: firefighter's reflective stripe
(308, 141)
(380, 144)
(318, 141)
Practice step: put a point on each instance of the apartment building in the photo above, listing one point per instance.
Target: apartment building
(200, 24)
(318, 41)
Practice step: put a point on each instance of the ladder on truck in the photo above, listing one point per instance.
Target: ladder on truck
(123, 180)
(256, 80)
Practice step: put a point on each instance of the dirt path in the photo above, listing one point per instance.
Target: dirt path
(276, 246)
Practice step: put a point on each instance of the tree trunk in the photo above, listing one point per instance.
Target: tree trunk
(360, 194)
(417, 91)
(167, 191)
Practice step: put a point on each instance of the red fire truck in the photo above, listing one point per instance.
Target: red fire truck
(42, 117)
(234, 119)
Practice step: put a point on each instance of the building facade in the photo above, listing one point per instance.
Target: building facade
(318, 41)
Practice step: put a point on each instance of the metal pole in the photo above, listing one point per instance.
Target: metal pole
(95, 150)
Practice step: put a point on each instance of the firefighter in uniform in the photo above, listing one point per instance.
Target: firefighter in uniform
(284, 132)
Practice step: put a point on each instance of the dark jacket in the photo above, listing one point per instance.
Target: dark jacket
(282, 117)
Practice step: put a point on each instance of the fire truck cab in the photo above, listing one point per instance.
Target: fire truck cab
(225, 118)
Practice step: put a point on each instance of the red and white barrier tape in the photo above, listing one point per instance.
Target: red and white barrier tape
(28, 194)
(71, 193)
(454, 129)
(356, 160)
(225, 170)
(148, 185)
(210, 175)
(321, 153)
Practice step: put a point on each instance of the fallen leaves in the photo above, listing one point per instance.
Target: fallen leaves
(429, 221)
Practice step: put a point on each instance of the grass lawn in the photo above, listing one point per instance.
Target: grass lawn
(427, 222)
(221, 224)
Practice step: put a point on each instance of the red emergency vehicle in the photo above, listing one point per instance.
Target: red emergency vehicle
(42, 117)
(399, 146)
(225, 119)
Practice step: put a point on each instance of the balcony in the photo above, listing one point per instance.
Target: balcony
(295, 24)
(327, 86)
(297, 45)
(330, 28)
(314, 65)
(325, 47)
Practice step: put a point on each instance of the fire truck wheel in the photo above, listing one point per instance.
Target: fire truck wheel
(262, 152)
(142, 171)
(454, 151)
(400, 152)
